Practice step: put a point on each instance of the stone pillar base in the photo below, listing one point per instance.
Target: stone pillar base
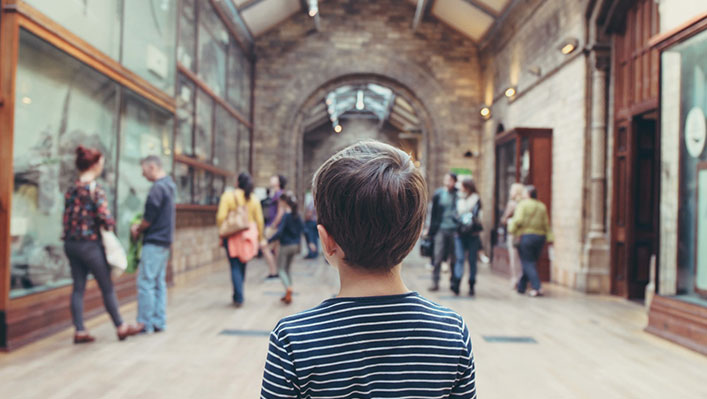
(595, 275)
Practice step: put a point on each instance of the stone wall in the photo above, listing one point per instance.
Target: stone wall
(551, 93)
(436, 66)
(196, 243)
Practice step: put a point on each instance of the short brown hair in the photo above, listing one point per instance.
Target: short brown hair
(372, 200)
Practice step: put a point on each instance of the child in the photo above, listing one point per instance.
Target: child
(288, 234)
(376, 338)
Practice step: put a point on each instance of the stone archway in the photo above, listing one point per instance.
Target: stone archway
(428, 159)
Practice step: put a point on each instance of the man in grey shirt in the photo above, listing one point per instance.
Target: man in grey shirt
(443, 225)
(157, 228)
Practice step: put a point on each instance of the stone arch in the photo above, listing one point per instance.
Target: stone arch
(416, 85)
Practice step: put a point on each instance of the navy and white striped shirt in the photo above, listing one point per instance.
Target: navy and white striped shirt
(398, 346)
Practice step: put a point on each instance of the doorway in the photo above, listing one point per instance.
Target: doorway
(635, 218)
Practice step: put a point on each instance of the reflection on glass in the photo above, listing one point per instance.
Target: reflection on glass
(239, 77)
(226, 140)
(505, 177)
(213, 43)
(186, 92)
(186, 49)
(60, 103)
(183, 179)
(524, 161)
(97, 22)
(145, 130)
(203, 187)
(685, 63)
(148, 40)
(204, 126)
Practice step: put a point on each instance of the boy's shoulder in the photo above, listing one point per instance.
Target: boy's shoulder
(349, 309)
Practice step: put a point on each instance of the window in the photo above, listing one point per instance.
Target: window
(145, 130)
(226, 140)
(97, 22)
(239, 78)
(204, 127)
(60, 103)
(213, 43)
(683, 115)
(185, 116)
(186, 49)
(148, 40)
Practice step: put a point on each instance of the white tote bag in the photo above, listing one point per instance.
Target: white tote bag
(115, 254)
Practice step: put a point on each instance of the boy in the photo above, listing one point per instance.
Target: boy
(376, 338)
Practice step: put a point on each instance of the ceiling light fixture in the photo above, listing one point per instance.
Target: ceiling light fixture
(485, 112)
(338, 128)
(569, 46)
(510, 92)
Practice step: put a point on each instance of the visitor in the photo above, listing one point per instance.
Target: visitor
(375, 336)
(86, 213)
(157, 229)
(310, 228)
(467, 239)
(516, 194)
(273, 215)
(443, 226)
(289, 235)
(531, 227)
(242, 246)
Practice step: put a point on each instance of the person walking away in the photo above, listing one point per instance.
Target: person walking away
(531, 223)
(157, 229)
(467, 240)
(273, 216)
(376, 338)
(516, 194)
(86, 213)
(241, 247)
(310, 228)
(289, 235)
(443, 225)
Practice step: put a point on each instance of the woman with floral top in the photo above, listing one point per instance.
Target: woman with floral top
(85, 214)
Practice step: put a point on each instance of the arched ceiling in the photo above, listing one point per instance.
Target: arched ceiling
(473, 18)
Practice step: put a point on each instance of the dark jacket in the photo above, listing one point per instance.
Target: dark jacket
(160, 213)
(438, 211)
(289, 231)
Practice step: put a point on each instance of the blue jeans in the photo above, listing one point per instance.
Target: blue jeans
(237, 275)
(152, 287)
(312, 237)
(469, 245)
(531, 245)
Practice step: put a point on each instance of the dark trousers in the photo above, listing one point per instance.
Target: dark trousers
(89, 257)
(237, 275)
(531, 245)
(444, 248)
(466, 244)
(312, 237)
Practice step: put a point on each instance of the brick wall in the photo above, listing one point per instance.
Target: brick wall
(551, 94)
(196, 244)
(436, 66)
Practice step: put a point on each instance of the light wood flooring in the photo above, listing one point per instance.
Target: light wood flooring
(585, 346)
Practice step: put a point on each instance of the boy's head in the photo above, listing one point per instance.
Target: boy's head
(371, 200)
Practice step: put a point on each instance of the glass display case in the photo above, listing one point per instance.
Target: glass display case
(523, 155)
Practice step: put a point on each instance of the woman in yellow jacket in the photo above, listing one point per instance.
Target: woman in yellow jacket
(531, 223)
(231, 201)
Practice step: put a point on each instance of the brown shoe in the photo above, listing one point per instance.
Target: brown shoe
(135, 329)
(84, 338)
(123, 332)
(288, 297)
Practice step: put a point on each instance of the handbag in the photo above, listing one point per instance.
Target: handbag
(469, 222)
(115, 254)
(235, 222)
(426, 247)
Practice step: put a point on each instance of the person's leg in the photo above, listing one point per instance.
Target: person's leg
(450, 248)
(458, 271)
(523, 282)
(526, 250)
(159, 318)
(269, 254)
(438, 258)
(536, 246)
(150, 265)
(78, 274)
(474, 246)
(281, 266)
(95, 260)
(512, 260)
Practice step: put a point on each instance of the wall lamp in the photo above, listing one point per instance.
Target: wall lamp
(485, 113)
(338, 128)
(568, 46)
(313, 8)
(510, 92)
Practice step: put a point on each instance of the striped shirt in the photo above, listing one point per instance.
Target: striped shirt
(398, 346)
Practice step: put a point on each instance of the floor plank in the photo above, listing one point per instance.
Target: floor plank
(586, 346)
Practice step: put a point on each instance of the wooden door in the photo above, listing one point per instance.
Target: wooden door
(635, 220)
(645, 206)
(622, 205)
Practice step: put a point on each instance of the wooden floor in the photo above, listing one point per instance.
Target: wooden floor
(585, 346)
